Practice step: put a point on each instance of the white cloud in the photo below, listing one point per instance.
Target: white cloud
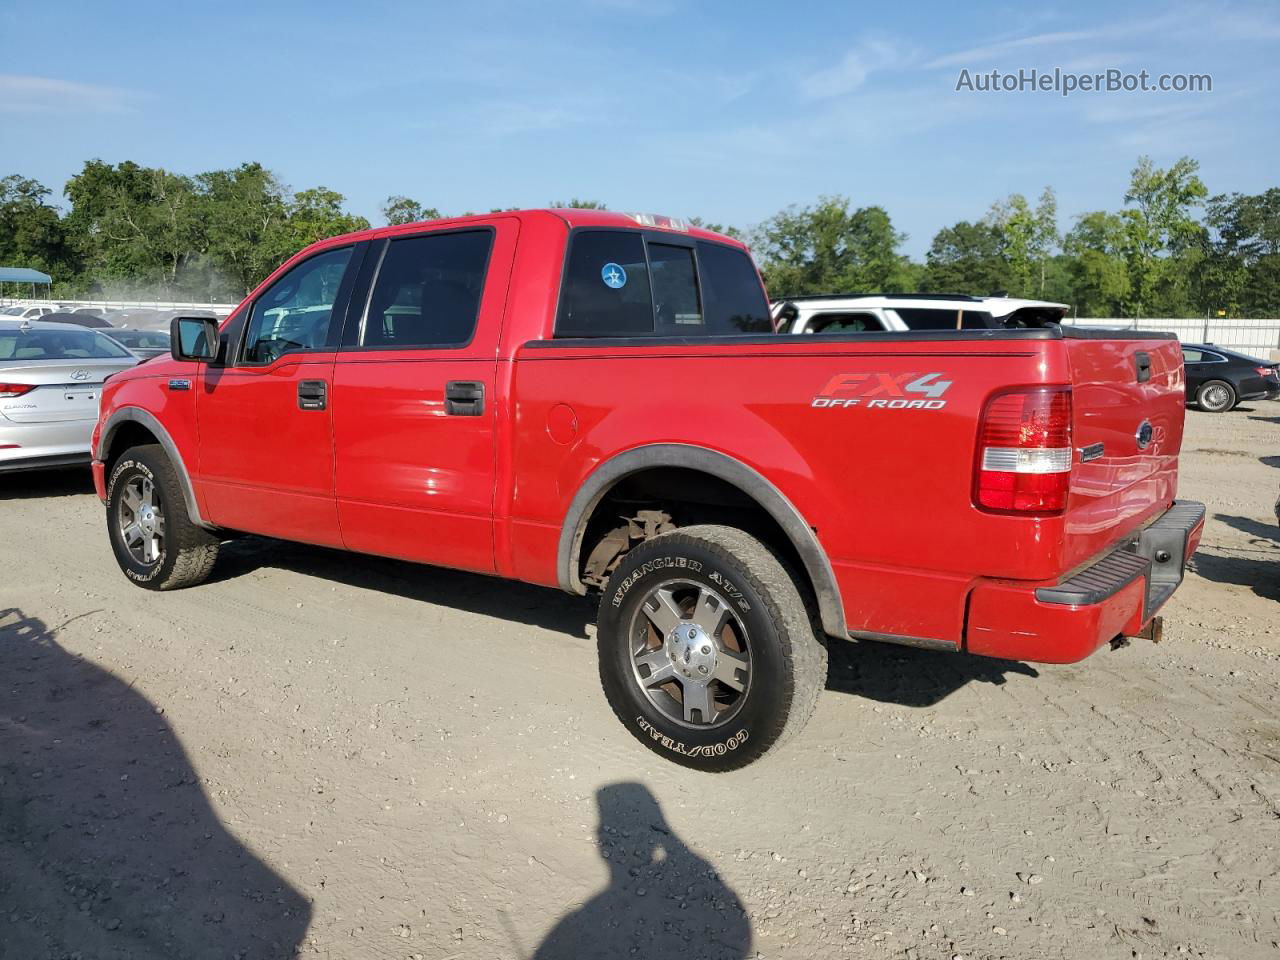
(994, 51)
(852, 71)
(24, 93)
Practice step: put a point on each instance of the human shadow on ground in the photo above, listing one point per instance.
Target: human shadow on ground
(663, 901)
(910, 677)
(30, 484)
(109, 849)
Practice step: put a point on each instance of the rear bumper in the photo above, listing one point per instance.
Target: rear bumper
(35, 446)
(1116, 596)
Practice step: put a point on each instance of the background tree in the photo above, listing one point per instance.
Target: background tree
(966, 258)
(1096, 267)
(399, 209)
(32, 233)
(826, 248)
(1158, 223)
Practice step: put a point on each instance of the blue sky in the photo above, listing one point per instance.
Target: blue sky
(728, 111)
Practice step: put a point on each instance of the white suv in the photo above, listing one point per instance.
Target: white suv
(871, 312)
(27, 313)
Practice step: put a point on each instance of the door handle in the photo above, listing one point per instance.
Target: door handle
(312, 394)
(464, 398)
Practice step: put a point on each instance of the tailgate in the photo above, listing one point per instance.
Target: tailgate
(1128, 407)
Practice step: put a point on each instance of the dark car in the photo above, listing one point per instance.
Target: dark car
(1218, 379)
(80, 319)
(145, 343)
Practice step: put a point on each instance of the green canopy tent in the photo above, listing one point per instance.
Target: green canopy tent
(23, 275)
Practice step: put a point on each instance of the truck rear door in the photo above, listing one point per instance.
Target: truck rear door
(414, 403)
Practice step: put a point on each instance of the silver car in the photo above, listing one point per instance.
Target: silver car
(51, 376)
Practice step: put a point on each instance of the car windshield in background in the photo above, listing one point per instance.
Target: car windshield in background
(141, 339)
(21, 345)
(923, 318)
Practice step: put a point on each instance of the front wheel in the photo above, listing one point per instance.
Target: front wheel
(1216, 396)
(707, 651)
(155, 543)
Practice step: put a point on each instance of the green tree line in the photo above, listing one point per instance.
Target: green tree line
(1169, 249)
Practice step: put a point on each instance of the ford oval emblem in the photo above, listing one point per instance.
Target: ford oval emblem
(80, 375)
(1143, 436)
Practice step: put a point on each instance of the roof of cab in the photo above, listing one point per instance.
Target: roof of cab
(571, 216)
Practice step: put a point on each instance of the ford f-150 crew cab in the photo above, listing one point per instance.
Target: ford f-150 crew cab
(597, 402)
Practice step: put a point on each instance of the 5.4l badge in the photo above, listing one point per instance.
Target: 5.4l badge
(884, 391)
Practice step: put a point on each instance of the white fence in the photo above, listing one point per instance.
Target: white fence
(120, 304)
(1259, 338)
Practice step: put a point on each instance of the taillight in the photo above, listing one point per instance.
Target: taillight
(15, 389)
(1266, 371)
(1024, 451)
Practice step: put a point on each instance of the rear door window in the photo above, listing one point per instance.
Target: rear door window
(623, 283)
(606, 287)
(1192, 356)
(427, 292)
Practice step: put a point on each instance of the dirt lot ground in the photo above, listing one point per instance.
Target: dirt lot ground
(347, 757)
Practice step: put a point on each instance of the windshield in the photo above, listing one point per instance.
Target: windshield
(12, 311)
(142, 339)
(21, 345)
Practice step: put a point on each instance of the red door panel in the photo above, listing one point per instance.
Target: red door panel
(266, 464)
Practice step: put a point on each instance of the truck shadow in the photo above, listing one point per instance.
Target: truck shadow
(28, 485)
(663, 901)
(469, 592)
(878, 671)
(110, 849)
(1271, 461)
(1260, 570)
(910, 677)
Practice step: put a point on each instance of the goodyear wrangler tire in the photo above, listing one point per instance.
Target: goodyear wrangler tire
(708, 654)
(155, 542)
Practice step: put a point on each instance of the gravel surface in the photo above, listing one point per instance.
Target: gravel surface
(347, 757)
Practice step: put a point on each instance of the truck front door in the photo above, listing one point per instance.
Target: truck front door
(266, 443)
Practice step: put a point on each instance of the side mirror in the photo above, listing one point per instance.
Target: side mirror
(193, 338)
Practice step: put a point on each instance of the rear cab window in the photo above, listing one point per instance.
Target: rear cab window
(625, 283)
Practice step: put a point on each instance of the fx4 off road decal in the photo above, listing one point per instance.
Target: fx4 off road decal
(884, 391)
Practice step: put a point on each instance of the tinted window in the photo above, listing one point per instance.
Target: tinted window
(734, 298)
(843, 323)
(606, 287)
(71, 344)
(676, 305)
(143, 339)
(930, 318)
(427, 292)
(296, 311)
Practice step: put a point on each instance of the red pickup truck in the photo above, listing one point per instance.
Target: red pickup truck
(593, 401)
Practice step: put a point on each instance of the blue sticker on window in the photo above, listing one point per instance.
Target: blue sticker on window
(614, 277)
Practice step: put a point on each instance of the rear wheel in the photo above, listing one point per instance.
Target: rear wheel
(707, 651)
(155, 543)
(1216, 396)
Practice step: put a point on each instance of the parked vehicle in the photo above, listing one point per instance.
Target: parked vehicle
(20, 312)
(145, 343)
(79, 319)
(873, 312)
(51, 375)
(1218, 379)
(598, 402)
